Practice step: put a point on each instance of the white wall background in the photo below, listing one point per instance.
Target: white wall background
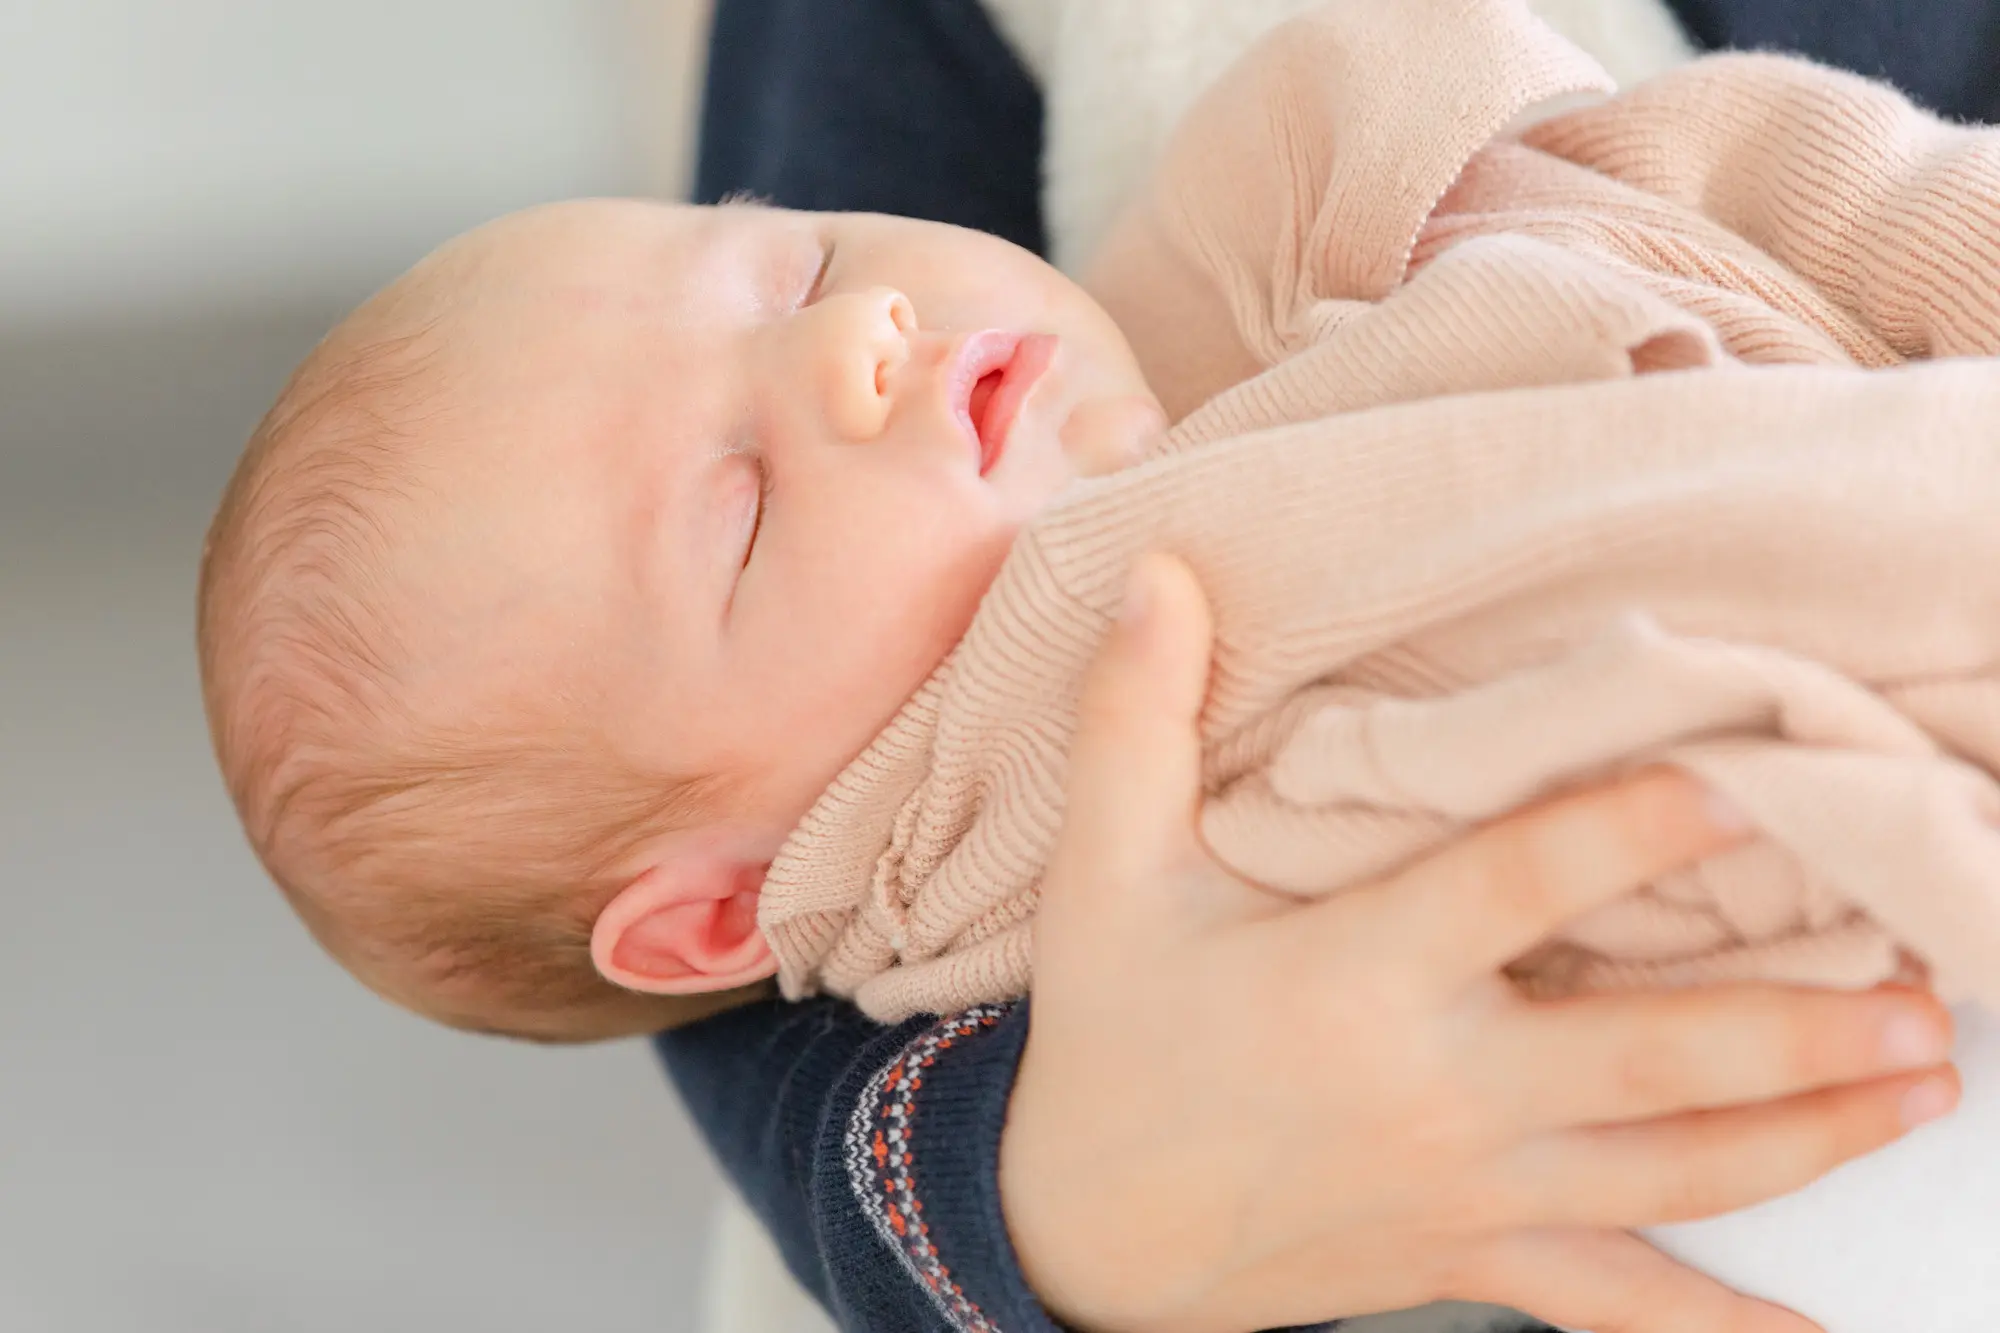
(163, 151)
(204, 1126)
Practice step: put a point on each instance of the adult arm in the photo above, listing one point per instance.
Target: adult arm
(870, 1154)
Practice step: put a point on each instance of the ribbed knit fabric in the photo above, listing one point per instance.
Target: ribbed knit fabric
(1467, 543)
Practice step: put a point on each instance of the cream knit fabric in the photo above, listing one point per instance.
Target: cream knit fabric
(1500, 482)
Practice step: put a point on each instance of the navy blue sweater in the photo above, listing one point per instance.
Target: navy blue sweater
(871, 1153)
(1943, 53)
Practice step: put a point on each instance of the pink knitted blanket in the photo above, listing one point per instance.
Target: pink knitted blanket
(1511, 460)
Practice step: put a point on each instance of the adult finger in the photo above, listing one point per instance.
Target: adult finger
(1611, 1282)
(1644, 1057)
(1488, 898)
(1710, 1162)
(1135, 763)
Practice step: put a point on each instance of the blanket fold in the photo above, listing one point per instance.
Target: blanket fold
(1511, 461)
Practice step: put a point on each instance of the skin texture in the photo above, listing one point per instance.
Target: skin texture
(708, 483)
(1346, 1108)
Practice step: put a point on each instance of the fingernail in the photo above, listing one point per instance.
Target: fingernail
(1138, 597)
(1927, 1101)
(1911, 1042)
(1725, 815)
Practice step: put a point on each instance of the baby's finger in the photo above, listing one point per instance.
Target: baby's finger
(1710, 1162)
(1490, 897)
(1610, 1282)
(1135, 765)
(1615, 1059)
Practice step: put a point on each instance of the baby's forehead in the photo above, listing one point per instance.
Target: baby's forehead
(592, 232)
(548, 305)
(555, 338)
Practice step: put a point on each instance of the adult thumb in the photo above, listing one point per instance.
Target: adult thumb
(1135, 764)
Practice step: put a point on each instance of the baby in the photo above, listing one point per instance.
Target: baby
(571, 568)
(570, 572)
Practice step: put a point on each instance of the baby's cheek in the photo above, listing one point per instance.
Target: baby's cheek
(858, 652)
(945, 586)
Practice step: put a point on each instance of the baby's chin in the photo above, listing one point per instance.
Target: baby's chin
(1105, 435)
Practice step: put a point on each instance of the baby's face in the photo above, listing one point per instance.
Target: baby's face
(733, 481)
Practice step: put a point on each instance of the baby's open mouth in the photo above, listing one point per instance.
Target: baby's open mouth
(982, 398)
(995, 372)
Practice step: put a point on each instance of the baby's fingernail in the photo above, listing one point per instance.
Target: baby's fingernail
(1725, 815)
(1913, 1042)
(1927, 1101)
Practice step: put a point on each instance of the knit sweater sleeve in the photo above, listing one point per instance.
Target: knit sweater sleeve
(1892, 212)
(871, 1155)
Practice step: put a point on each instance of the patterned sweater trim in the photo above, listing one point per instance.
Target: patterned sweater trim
(883, 1150)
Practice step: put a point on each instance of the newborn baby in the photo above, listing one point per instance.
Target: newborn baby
(571, 568)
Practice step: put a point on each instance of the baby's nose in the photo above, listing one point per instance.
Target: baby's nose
(870, 344)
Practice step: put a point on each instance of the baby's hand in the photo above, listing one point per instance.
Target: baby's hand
(1106, 435)
(1238, 1111)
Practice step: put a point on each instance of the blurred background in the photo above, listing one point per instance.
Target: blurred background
(204, 1126)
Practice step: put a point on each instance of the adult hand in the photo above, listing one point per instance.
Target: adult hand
(1237, 1111)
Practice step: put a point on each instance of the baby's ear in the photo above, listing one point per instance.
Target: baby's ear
(686, 927)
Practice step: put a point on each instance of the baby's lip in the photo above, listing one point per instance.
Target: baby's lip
(1010, 364)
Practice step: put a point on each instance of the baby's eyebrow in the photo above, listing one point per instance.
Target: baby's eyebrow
(745, 258)
(777, 254)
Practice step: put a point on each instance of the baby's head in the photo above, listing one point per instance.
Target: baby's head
(569, 570)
